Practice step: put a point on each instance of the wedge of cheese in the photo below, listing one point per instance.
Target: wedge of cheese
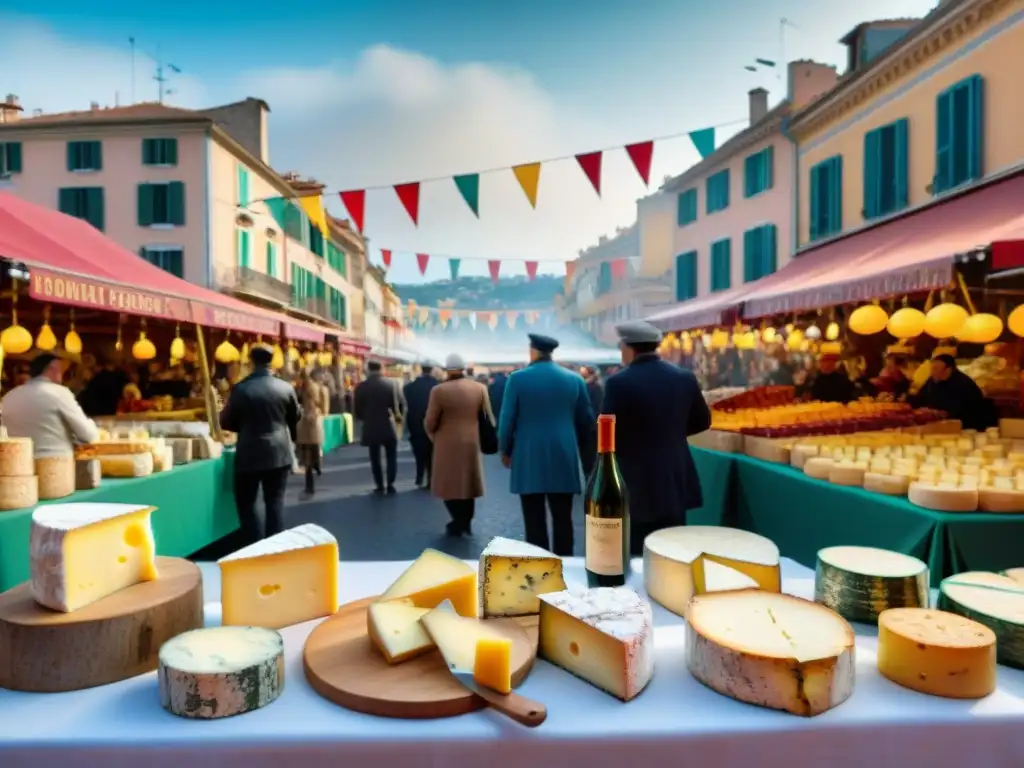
(458, 638)
(433, 578)
(82, 552)
(674, 560)
(396, 631)
(936, 652)
(994, 600)
(722, 578)
(127, 465)
(285, 579)
(771, 650)
(603, 635)
(493, 664)
(512, 575)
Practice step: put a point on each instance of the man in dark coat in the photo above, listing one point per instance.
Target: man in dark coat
(656, 407)
(380, 405)
(417, 395)
(595, 389)
(951, 390)
(496, 391)
(831, 383)
(264, 411)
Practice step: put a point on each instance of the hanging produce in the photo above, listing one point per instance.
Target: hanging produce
(1015, 322)
(72, 341)
(981, 329)
(868, 320)
(46, 340)
(906, 323)
(945, 320)
(143, 349)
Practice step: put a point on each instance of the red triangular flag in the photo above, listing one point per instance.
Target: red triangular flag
(619, 269)
(531, 270)
(409, 194)
(494, 267)
(355, 203)
(591, 165)
(421, 258)
(386, 256)
(641, 154)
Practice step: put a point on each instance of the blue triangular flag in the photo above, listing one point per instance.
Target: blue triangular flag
(704, 141)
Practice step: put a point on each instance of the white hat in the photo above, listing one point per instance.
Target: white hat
(454, 363)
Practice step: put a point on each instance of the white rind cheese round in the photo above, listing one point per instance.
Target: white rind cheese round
(771, 650)
(943, 498)
(859, 583)
(889, 485)
(674, 561)
(818, 467)
(993, 600)
(219, 672)
(847, 475)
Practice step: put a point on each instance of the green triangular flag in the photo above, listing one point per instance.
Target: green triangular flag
(704, 141)
(453, 267)
(277, 207)
(469, 186)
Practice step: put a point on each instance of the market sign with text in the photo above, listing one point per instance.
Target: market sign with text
(230, 319)
(94, 294)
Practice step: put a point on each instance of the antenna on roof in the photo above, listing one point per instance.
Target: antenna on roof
(162, 79)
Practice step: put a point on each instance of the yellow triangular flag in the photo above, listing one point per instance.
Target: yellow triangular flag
(314, 208)
(528, 177)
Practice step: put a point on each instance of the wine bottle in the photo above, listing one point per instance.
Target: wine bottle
(607, 514)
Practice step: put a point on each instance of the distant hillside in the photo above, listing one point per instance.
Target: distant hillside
(482, 293)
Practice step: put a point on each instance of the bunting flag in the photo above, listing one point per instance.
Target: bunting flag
(528, 177)
(409, 194)
(469, 187)
(444, 315)
(277, 207)
(422, 259)
(492, 320)
(424, 314)
(531, 270)
(385, 256)
(453, 268)
(511, 317)
(642, 154)
(619, 269)
(704, 141)
(354, 201)
(590, 162)
(472, 319)
(570, 268)
(494, 267)
(313, 205)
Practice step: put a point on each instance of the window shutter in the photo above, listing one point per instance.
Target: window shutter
(749, 174)
(96, 155)
(13, 157)
(72, 155)
(815, 207)
(681, 275)
(943, 142)
(148, 151)
(872, 173)
(170, 151)
(724, 184)
(835, 195)
(976, 127)
(769, 261)
(176, 203)
(693, 275)
(145, 205)
(66, 201)
(94, 207)
(768, 165)
(902, 180)
(271, 259)
(175, 263)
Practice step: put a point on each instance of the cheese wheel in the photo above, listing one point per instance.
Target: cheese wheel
(18, 492)
(221, 671)
(129, 465)
(859, 583)
(16, 457)
(1000, 500)
(993, 600)
(818, 467)
(1017, 574)
(846, 474)
(56, 476)
(937, 652)
(943, 498)
(112, 448)
(889, 485)
(87, 474)
(799, 454)
(1012, 428)
(771, 650)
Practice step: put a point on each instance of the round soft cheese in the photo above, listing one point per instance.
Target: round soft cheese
(859, 583)
(993, 600)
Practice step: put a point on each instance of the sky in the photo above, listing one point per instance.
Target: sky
(371, 93)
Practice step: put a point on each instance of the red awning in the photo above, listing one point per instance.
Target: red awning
(911, 254)
(298, 330)
(710, 310)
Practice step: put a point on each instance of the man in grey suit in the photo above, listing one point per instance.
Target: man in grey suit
(379, 404)
(264, 411)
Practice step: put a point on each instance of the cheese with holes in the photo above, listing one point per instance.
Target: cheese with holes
(890, 485)
(217, 672)
(492, 666)
(458, 638)
(396, 631)
(433, 578)
(994, 600)
(943, 498)
(18, 492)
(771, 650)
(127, 465)
(674, 561)
(818, 467)
(937, 652)
(16, 457)
(285, 579)
(603, 635)
(82, 552)
(995, 499)
(859, 583)
(56, 476)
(513, 573)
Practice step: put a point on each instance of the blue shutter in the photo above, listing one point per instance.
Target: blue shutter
(176, 203)
(750, 175)
(902, 170)
(769, 244)
(681, 275)
(943, 142)
(693, 274)
(725, 182)
(768, 167)
(976, 127)
(815, 207)
(872, 173)
(835, 195)
(748, 256)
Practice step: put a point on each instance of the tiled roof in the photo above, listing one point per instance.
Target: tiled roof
(148, 111)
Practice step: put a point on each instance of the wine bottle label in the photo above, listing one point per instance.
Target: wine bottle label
(604, 546)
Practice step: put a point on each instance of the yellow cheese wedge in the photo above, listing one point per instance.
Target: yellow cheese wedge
(82, 552)
(433, 578)
(458, 638)
(492, 667)
(285, 579)
(937, 653)
(395, 629)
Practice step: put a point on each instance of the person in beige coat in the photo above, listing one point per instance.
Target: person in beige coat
(453, 424)
(314, 399)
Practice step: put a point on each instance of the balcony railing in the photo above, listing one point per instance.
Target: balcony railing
(314, 306)
(253, 283)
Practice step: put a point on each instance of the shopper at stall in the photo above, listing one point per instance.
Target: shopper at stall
(46, 411)
(830, 383)
(380, 405)
(104, 390)
(951, 390)
(264, 411)
(309, 438)
(417, 397)
(892, 380)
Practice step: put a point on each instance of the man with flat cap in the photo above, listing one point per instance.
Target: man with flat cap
(417, 396)
(656, 406)
(264, 411)
(545, 418)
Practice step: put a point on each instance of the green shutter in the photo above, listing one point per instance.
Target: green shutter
(768, 167)
(835, 195)
(175, 263)
(749, 174)
(901, 182)
(243, 247)
(66, 202)
(170, 147)
(815, 206)
(721, 265)
(748, 256)
(243, 186)
(681, 274)
(94, 212)
(149, 151)
(72, 155)
(176, 203)
(769, 246)
(11, 161)
(976, 128)
(943, 142)
(145, 199)
(96, 155)
(872, 173)
(271, 259)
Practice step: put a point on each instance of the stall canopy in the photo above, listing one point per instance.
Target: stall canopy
(73, 263)
(911, 254)
(711, 310)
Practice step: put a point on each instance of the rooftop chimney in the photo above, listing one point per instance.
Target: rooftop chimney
(758, 105)
(808, 80)
(10, 109)
(94, 106)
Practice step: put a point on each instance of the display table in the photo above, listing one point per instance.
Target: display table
(195, 507)
(675, 722)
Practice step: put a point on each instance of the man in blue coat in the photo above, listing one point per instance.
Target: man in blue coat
(497, 392)
(656, 407)
(417, 396)
(545, 416)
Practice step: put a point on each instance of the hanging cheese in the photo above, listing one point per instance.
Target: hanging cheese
(56, 476)
(937, 652)
(993, 600)
(1000, 499)
(18, 492)
(859, 583)
(131, 465)
(943, 498)
(889, 485)
(771, 650)
(16, 457)
(818, 467)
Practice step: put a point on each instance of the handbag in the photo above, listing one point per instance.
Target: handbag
(396, 411)
(488, 434)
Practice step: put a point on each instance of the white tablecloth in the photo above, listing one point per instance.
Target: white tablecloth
(675, 722)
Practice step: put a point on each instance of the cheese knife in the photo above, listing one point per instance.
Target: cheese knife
(521, 709)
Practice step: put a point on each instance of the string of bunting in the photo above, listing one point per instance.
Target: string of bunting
(616, 266)
(448, 316)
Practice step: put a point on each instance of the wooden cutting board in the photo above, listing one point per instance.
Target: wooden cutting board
(344, 667)
(118, 637)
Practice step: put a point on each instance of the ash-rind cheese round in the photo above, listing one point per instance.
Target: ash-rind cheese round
(771, 650)
(219, 672)
(993, 600)
(859, 583)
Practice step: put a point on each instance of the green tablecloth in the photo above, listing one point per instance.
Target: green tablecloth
(802, 515)
(195, 507)
(337, 431)
(717, 481)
